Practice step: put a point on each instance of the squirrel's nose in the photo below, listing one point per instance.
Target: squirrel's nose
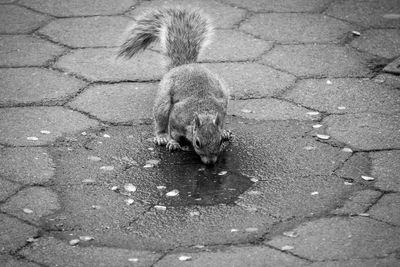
(209, 160)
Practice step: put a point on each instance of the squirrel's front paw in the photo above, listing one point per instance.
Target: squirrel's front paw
(227, 135)
(161, 139)
(173, 145)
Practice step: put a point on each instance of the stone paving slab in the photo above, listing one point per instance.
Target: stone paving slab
(117, 103)
(14, 237)
(17, 124)
(317, 60)
(97, 211)
(36, 86)
(24, 50)
(387, 209)
(386, 167)
(393, 67)
(252, 80)
(357, 165)
(223, 16)
(15, 19)
(255, 256)
(7, 189)
(381, 42)
(102, 64)
(302, 157)
(347, 95)
(26, 165)
(176, 228)
(87, 31)
(267, 109)
(8, 261)
(388, 79)
(281, 5)
(52, 252)
(232, 45)
(383, 262)
(40, 201)
(365, 131)
(296, 27)
(358, 202)
(303, 196)
(61, 8)
(342, 239)
(369, 13)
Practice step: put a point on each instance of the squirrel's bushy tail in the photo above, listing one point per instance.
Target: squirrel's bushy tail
(182, 34)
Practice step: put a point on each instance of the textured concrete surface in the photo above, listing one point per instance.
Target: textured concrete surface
(24, 50)
(88, 31)
(310, 178)
(267, 109)
(235, 256)
(368, 13)
(33, 120)
(118, 102)
(7, 188)
(312, 60)
(102, 64)
(387, 209)
(341, 239)
(233, 46)
(52, 252)
(281, 6)
(9, 261)
(384, 43)
(14, 19)
(366, 130)
(252, 80)
(345, 96)
(385, 166)
(358, 203)
(23, 86)
(14, 233)
(60, 8)
(39, 201)
(26, 165)
(296, 27)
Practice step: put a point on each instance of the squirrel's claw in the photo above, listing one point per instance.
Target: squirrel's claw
(173, 145)
(160, 140)
(227, 135)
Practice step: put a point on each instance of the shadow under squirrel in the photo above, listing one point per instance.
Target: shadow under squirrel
(191, 101)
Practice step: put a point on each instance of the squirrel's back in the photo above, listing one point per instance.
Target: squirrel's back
(182, 34)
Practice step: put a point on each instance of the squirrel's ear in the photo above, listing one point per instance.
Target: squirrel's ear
(196, 120)
(217, 120)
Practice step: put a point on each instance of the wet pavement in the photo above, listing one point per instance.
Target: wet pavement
(311, 177)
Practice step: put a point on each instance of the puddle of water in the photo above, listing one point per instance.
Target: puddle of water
(197, 183)
(204, 185)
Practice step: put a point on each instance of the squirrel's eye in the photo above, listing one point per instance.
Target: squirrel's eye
(197, 143)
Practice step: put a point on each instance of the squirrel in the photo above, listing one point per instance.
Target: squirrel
(192, 101)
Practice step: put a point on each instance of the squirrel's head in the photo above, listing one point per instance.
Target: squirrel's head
(207, 136)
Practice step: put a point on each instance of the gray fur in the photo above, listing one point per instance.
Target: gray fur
(185, 34)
